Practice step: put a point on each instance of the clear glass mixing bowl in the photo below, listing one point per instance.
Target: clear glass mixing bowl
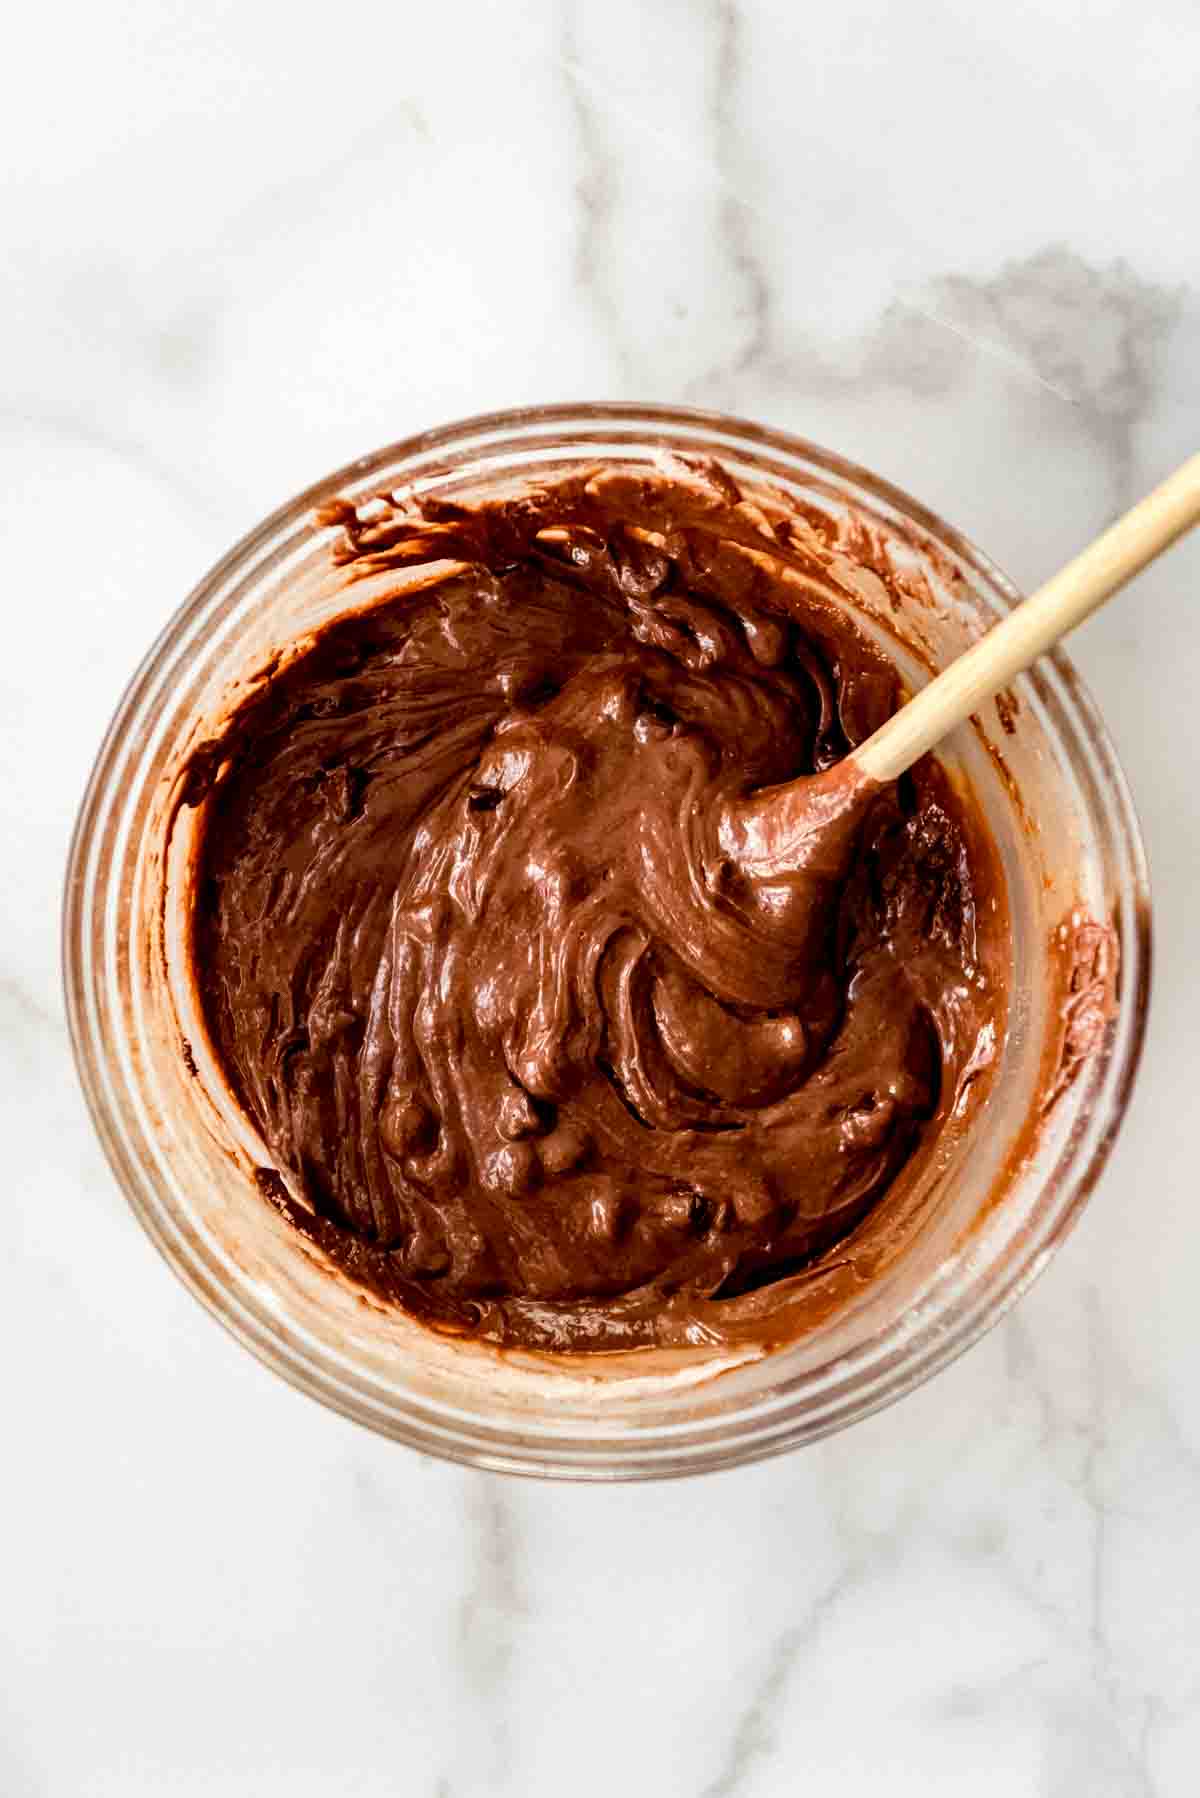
(1060, 811)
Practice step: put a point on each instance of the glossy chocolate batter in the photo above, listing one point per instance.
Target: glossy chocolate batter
(542, 1045)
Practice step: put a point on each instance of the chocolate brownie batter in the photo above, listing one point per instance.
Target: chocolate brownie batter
(547, 1041)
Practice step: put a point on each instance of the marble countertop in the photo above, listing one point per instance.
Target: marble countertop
(957, 243)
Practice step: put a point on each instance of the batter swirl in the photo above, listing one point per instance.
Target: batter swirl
(532, 1054)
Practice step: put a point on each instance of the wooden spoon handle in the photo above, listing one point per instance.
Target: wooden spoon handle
(1056, 608)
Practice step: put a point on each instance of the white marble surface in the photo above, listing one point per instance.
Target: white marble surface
(957, 242)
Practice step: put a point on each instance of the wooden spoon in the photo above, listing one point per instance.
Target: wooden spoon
(807, 826)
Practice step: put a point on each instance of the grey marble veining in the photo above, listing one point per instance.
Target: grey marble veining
(957, 245)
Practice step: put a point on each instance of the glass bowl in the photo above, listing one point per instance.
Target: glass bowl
(1041, 766)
